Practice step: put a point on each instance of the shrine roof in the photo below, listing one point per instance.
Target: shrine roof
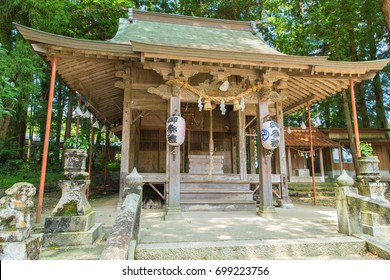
(299, 137)
(191, 32)
(158, 46)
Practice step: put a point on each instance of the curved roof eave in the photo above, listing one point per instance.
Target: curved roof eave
(38, 36)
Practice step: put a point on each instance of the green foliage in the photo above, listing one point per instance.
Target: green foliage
(76, 142)
(366, 149)
(15, 171)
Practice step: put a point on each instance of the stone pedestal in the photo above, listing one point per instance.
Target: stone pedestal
(28, 249)
(77, 238)
(15, 235)
(71, 230)
(73, 201)
(55, 224)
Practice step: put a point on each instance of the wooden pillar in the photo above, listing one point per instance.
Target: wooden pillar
(91, 142)
(266, 208)
(313, 174)
(340, 160)
(242, 145)
(252, 151)
(289, 163)
(134, 141)
(46, 139)
(234, 155)
(126, 133)
(106, 151)
(173, 209)
(322, 164)
(355, 119)
(284, 200)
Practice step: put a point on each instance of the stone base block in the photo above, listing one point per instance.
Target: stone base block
(28, 249)
(16, 235)
(285, 203)
(377, 231)
(173, 213)
(72, 238)
(267, 212)
(55, 224)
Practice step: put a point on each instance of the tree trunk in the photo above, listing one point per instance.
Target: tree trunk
(22, 138)
(381, 120)
(58, 120)
(69, 116)
(361, 101)
(385, 8)
(359, 87)
(4, 124)
(350, 132)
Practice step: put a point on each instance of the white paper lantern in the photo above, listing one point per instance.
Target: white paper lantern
(270, 135)
(176, 130)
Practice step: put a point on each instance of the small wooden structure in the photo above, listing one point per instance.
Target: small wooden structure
(298, 154)
(160, 64)
(338, 160)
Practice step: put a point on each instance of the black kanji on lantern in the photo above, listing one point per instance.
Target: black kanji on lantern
(172, 128)
(172, 138)
(275, 133)
(275, 143)
(173, 119)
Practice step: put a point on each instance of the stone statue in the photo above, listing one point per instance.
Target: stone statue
(15, 207)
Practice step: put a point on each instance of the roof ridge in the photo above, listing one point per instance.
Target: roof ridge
(192, 20)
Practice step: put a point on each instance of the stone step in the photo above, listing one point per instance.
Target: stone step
(217, 205)
(303, 248)
(216, 194)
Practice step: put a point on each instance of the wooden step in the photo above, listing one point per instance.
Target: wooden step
(213, 186)
(216, 194)
(217, 205)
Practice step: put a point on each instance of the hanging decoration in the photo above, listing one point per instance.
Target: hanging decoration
(236, 105)
(303, 125)
(96, 125)
(317, 121)
(103, 128)
(77, 112)
(224, 86)
(289, 130)
(200, 105)
(218, 99)
(207, 105)
(270, 135)
(222, 107)
(176, 130)
(242, 104)
(87, 114)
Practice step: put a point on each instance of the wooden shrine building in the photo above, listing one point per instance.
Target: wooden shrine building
(220, 76)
